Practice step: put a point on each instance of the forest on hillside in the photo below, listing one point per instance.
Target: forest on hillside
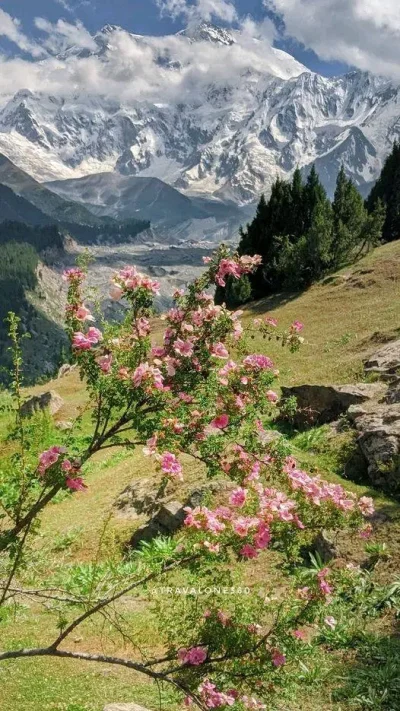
(303, 236)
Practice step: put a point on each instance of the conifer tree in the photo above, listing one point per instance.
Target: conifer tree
(349, 216)
(387, 189)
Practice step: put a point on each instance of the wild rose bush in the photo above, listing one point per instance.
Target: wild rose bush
(198, 391)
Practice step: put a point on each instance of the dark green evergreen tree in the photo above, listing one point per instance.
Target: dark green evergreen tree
(349, 216)
(387, 189)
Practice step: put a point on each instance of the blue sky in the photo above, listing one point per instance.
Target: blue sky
(142, 17)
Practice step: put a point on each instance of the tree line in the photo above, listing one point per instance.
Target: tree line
(302, 235)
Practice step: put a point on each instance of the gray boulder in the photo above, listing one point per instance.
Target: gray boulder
(320, 404)
(379, 441)
(50, 401)
(385, 362)
(66, 369)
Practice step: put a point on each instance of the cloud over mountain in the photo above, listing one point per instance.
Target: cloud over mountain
(362, 33)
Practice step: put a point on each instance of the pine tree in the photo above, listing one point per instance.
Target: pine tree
(296, 217)
(314, 193)
(387, 189)
(349, 216)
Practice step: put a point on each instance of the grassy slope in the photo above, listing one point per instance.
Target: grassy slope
(345, 320)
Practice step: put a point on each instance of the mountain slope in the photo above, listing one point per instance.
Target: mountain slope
(14, 208)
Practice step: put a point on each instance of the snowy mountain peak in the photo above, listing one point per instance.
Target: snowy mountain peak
(207, 32)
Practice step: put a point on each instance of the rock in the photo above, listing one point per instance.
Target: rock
(379, 441)
(65, 425)
(66, 369)
(320, 404)
(325, 546)
(170, 515)
(393, 393)
(45, 401)
(385, 362)
(124, 707)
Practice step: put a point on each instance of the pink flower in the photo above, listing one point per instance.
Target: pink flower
(183, 348)
(278, 659)
(83, 314)
(76, 484)
(194, 656)
(142, 327)
(238, 497)
(219, 351)
(73, 274)
(220, 422)
(366, 506)
(366, 532)
(116, 292)
(242, 525)
(258, 362)
(248, 551)
(49, 457)
(262, 538)
(271, 322)
(272, 396)
(105, 363)
(207, 260)
(170, 465)
(297, 326)
(81, 342)
(211, 547)
(224, 619)
(299, 634)
(330, 622)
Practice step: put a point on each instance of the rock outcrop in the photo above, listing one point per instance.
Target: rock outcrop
(320, 404)
(379, 442)
(385, 362)
(50, 401)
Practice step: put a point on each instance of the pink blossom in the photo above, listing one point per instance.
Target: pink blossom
(278, 659)
(366, 506)
(81, 342)
(116, 292)
(262, 538)
(83, 314)
(212, 547)
(146, 373)
(242, 525)
(105, 363)
(49, 457)
(271, 322)
(297, 326)
(158, 352)
(224, 619)
(366, 532)
(258, 362)
(252, 704)
(238, 497)
(219, 351)
(183, 348)
(170, 465)
(142, 327)
(272, 396)
(330, 622)
(194, 656)
(73, 274)
(220, 422)
(299, 634)
(76, 484)
(207, 260)
(248, 551)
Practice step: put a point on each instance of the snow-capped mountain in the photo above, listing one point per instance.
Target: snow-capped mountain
(227, 138)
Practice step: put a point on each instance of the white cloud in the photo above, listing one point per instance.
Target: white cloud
(10, 28)
(64, 34)
(167, 69)
(199, 10)
(363, 33)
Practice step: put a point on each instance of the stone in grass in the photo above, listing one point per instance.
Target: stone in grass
(50, 401)
(124, 707)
